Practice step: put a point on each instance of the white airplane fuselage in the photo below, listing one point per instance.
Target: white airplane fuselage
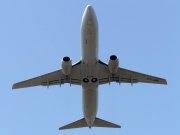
(89, 48)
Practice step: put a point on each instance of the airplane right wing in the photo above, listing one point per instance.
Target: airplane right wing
(53, 78)
(126, 76)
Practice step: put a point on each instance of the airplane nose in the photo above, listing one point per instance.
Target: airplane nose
(89, 9)
(89, 20)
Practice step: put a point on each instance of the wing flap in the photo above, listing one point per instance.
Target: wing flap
(118, 80)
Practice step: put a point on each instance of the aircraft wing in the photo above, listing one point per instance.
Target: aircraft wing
(126, 76)
(53, 78)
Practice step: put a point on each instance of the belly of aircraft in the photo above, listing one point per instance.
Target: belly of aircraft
(90, 92)
(90, 100)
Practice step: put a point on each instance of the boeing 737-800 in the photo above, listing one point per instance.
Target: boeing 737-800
(89, 72)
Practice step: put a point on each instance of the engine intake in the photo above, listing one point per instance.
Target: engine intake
(113, 64)
(66, 65)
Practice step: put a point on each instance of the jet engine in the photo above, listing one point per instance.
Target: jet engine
(113, 64)
(66, 65)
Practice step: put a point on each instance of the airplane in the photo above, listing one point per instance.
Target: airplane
(89, 72)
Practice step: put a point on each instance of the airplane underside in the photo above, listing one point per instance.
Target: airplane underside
(89, 72)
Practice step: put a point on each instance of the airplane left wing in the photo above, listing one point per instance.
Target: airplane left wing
(53, 78)
(126, 76)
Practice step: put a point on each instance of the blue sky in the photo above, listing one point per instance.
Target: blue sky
(36, 34)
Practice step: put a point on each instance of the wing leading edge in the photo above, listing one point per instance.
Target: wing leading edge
(53, 78)
(126, 76)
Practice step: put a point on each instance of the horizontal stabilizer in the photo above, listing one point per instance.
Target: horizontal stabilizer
(102, 123)
(97, 123)
(77, 124)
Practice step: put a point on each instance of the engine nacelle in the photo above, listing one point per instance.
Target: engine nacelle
(66, 65)
(113, 64)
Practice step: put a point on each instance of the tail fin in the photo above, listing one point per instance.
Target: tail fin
(97, 123)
